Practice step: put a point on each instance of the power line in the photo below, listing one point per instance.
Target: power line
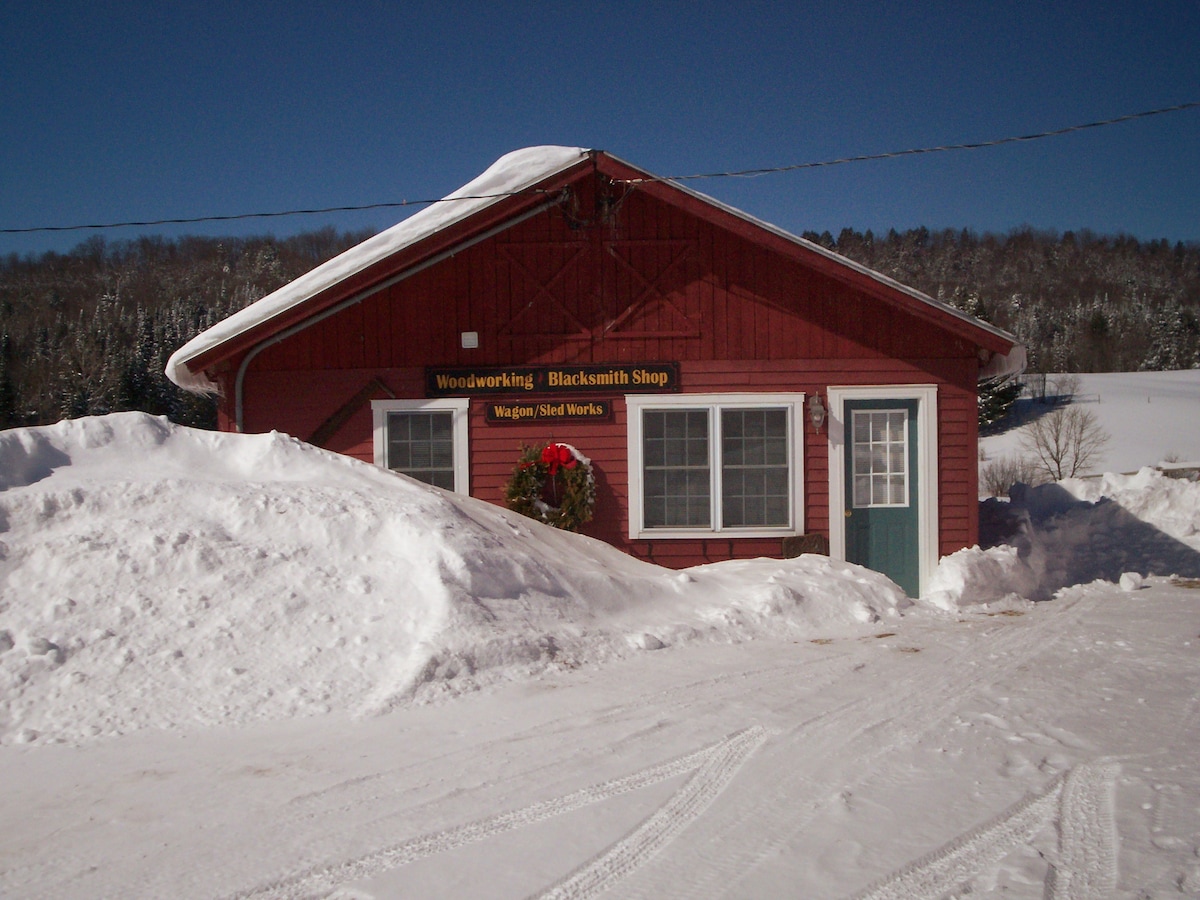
(743, 173)
(259, 215)
(753, 173)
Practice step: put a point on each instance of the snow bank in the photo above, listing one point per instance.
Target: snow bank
(153, 575)
(974, 576)
(1172, 505)
(1118, 528)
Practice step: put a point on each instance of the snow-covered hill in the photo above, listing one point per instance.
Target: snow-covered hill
(1149, 417)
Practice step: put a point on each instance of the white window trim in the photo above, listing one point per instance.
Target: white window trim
(459, 406)
(636, 404)
(927, 470)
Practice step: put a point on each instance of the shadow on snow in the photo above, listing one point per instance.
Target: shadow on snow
(1069, 541)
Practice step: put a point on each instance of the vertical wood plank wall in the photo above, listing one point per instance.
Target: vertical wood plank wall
(650, 283)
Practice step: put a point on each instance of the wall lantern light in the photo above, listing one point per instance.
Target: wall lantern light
(816, 412)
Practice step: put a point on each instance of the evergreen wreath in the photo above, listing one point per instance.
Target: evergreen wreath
(549, 474)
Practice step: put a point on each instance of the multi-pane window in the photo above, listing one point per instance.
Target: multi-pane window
(754, 467)
(421, 445)
(880, 454)
(713, 463)
(424, 439)
(676, 474)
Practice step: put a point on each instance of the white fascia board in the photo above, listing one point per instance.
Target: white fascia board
(511, 173)
(1005, 365)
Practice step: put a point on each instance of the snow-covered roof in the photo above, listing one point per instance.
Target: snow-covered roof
(511, 173)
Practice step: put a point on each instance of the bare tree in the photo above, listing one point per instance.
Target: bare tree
(1066, 387)
(998, 475)
(1065, 442)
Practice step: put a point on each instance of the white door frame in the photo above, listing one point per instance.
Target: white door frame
(927, 469)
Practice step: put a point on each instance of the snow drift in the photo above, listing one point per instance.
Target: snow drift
(153, 575)
(1072, 532)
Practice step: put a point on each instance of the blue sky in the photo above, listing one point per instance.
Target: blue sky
(119, 111)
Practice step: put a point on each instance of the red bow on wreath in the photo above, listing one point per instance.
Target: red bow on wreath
(556, 455)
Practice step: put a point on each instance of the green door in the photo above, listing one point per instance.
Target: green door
(881, 489)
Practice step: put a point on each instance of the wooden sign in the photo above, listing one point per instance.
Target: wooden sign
(587, 410)
(642, 378)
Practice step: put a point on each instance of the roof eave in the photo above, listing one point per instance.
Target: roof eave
(363, 280)
(487, 216)
(842, 268)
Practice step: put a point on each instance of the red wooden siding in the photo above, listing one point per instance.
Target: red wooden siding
(652, 282)
(299, 398)
(543, 292)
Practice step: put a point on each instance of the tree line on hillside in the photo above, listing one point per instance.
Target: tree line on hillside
(89, 332)
(1080, 302)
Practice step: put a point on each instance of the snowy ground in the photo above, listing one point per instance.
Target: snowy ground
(236, 666)
(1149, 416)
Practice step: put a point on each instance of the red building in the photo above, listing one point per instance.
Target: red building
(740, 391)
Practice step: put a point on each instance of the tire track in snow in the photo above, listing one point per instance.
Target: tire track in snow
(1081, 800)
(939, 872)
(841, 747)
(316, 821)
(319, 880)
(351, 794)
(1087, 842)
(686, 805)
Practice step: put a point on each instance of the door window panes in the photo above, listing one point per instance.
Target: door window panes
(880, 457)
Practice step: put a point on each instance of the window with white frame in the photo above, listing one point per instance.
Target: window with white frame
(424, 439)
(714, 463)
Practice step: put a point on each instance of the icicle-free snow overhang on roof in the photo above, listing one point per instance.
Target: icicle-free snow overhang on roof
(510, 175)
(517, 182)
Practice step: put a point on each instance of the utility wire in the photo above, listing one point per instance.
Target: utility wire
(754, 173)
(744, 173)
(260, 215)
